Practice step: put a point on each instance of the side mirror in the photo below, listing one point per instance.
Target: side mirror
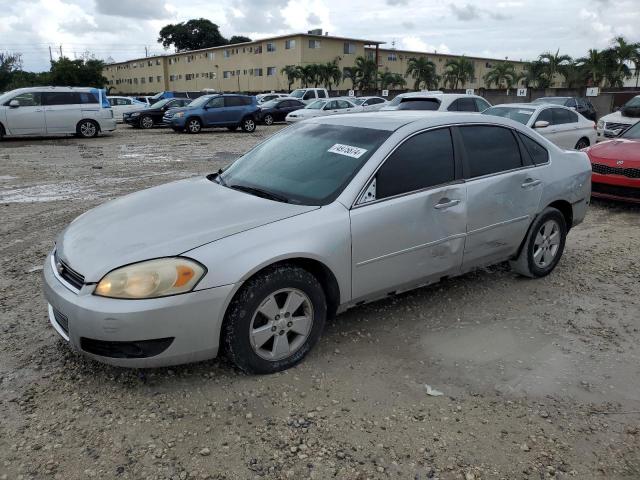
(541, 124)
(14, 104)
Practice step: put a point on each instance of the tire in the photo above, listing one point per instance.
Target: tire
(259, 342)
(87, 129)
(146, 122)
(268, 119)
(248, 125)
(1, 133)
(193, 125)
(543, 245)
(582, 143)
(232, 128)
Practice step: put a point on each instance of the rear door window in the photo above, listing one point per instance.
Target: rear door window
(561, 116)
(216, 102)
(61, 98)
(233, 102)
(342, 104)
(424, 160)
(545, 116)
(489, 149)
(87, 98)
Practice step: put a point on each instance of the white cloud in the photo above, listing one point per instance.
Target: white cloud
(415, 43)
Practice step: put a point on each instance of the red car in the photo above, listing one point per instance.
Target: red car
(616, 167)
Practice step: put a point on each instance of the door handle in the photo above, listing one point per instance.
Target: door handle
(530, 182)
(446, 203)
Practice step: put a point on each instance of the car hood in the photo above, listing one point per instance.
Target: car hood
(144, 110)
(306, 113)
(618, 118)
(619, 149)
(163, 221)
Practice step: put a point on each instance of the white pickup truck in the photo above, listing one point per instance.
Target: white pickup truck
(308, 95)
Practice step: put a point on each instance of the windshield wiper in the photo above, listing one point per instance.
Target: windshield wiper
(258, 192)
(219, 179)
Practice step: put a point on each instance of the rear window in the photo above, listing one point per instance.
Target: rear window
(419, 104)
(490, 149)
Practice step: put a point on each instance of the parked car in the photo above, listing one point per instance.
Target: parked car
(369, 104)
(228, 110)
(152, 116)
(616, 167)
(55, 111)
(277, 110)
(560, 125)
(326, 215)
(582, 105)
(443, 102)
(267, 97)
(309, 95)
(612, 125)
(121, 105)
(320, 108)
(145, 99)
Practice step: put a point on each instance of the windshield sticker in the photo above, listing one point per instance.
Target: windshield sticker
(347, 150)
(525, 112)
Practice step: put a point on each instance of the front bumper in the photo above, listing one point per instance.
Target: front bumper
(615, 187)
(193, 322)
(107, 124)
(129, 120)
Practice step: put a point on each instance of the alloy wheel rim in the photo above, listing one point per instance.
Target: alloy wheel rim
(581, 144)
(88, 129)
(268, 120)
(147, 122)
(249, 125)
(281, 324)
(546, 244)
(194, 126)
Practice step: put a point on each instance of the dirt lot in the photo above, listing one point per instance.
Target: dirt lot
(541, 379)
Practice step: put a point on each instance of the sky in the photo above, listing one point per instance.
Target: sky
(517, 29)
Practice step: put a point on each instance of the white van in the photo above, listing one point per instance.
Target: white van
(55, 111)
(308, 95)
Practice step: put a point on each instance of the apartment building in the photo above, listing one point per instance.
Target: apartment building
(257, 66)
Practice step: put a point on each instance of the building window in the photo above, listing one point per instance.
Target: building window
(258, 49)
(143, 80)
(392, 57)
(150, 79)
(349, 48)
(271, 71)
(314, 43)
(369, 55)
(135, 80)
(150, 63)
(227, 53)
(172, 78)
(271, 47)
(188, 76)
(157, 62)
(238, 72)
(258, 72)
(289, 44)
(158, 78)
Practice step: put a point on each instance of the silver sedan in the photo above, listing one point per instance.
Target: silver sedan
(325, 215)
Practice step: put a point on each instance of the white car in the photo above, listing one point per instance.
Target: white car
(558, 124)
(309, 95)
(38, 111)
(437, 101)
(320, 108)
(122, 105)
(369, 104)
(266, 97)
(611, 125)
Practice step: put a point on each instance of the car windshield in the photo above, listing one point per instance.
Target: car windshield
(634, 102)
(200, 101)
(317, 105)
(521, 115)
(161, 103)
(554, 100)
(270, 103)
(298, 93)
(358, 101)
(307, 164)
(632, 133)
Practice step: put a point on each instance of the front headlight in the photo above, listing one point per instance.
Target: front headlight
(179, 114)
(135, 114)
(151, 279)
(600, 124)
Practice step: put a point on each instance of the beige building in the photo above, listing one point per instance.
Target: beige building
(257, 66)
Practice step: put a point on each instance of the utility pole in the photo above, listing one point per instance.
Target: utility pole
(146, 51)
(60, 51)
(50, 54)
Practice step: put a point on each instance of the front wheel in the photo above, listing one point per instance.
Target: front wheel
(194, 125)
(543, 246)
(582, 143)
(274, 320)
(248, 125)
(87, 129)
(268, 119)
(146, 122)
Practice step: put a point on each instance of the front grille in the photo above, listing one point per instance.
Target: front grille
(616, 190)
(135, 349)
(68, 274)
(612, 129)
(61, 320)
(607, 170)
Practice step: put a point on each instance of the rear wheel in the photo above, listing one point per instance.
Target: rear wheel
(274, 320)
(146, 122)
(268, 119)
(543, 246)
(582, 143)
(87, 129)
(194, 125)
(248, 125)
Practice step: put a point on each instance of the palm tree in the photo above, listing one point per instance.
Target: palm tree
(423, 71)
(504, 73)
(613, 72)
(576, 75)
(460, 70)
(350, 73)
(330, 74)
(292, 74)
(534, 76)
(388, 79)
(365, 73)
(308, 74)
(593, 65)
(624, 52)
(554, 63)
(636, 64)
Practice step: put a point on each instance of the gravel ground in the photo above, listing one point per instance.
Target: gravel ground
(540, 379)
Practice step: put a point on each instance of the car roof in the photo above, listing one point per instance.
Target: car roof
(534, 106)
(393, 120)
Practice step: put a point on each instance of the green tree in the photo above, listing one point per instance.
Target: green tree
(191, 35)
(307, 74)
(534, 76)
(624, 53)
(502, 74)
(329, 73)
(9, 64)
(238, 39)
(350, 73)
(423, 71)
(554, 64)
(292, 73)
(459, 70)
(83, 72)
(366, 72)
(388, 79)
(593, 65)
(613, 73)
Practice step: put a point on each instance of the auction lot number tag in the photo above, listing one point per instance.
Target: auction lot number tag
(347, 150)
